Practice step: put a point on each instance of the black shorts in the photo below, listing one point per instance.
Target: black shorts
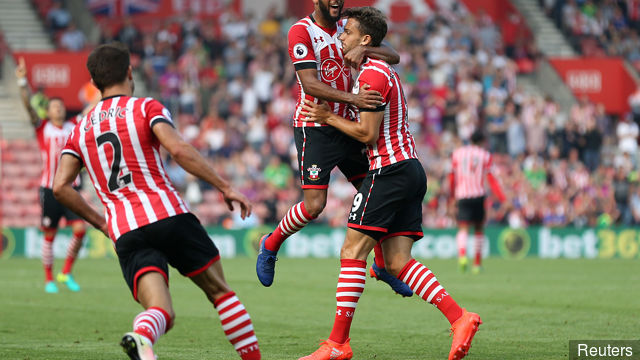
(471, 209)
(53, 211)
(320, 149)
(389, 201)
(179, 240)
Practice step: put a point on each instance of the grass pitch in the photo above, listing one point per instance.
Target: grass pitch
(530, 309)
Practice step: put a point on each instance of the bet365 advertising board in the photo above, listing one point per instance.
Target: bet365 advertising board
(323, 242)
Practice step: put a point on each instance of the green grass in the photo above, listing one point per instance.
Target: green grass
(530, 309)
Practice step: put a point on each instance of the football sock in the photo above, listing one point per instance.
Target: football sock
(47, 256)
(237, 326)
(151, 324)
(461, 239)
(424, 284)
(478, 241)
(297, 217)
(378, 257)
(72, 251)
(350, 286)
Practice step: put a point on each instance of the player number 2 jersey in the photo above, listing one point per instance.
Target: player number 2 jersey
(395, 142)
(314, 47)
(122, 156)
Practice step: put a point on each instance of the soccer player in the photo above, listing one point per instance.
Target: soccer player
(388, 205)
(323, 73)
(118, 142)
(470, 165)
(52, 134)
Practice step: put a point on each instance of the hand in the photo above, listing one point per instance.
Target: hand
(232, 195)
(313, 112)
(355, 56)
(367, 99)
(21, 69)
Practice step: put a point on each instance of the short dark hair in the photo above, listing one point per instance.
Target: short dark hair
(108, 64)
(477, 137)
(372, 22)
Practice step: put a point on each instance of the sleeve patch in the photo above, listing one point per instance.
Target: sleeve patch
(300, 51)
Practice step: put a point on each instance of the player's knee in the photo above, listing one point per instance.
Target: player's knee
(315, 207)
(395, 265)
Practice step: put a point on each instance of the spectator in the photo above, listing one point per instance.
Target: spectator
(58, 18)
(72, 38)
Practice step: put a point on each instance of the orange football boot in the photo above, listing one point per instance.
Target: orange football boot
(331, 350)
(463, 331)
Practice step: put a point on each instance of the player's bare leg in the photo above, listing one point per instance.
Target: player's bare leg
(78, 230)
(478, 240)
(296, 218)
(153, 294)
(351, 281)
(423, 282)
(235, 320)
(461, 240)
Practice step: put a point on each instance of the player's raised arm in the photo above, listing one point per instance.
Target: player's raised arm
(191, 160)
(383, 52)
(25, 91)
(63, 190)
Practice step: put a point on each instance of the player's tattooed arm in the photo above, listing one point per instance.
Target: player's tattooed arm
(365, 99)
(190, 159)
(25, 92)
(367, 130)
(383, 52)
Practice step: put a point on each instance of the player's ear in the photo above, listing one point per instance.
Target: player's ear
(366, 40)
(130, 73)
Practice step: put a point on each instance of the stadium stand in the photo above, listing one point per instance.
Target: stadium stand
(231, 88)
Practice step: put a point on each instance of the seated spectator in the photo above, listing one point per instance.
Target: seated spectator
(58, 18)
(72, 38)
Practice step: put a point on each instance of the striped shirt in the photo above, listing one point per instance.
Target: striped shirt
(122, 156)
(51, 140)
(314, 47)
(395, 142)
(470, 165)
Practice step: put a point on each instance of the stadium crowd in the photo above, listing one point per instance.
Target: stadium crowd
(231, 89)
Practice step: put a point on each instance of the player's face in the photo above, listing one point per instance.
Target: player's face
(331, 9)
(56, 110)
(351, 36)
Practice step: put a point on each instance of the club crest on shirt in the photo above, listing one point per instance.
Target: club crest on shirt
(300, 50)
(314, 172)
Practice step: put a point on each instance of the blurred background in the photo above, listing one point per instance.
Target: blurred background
(554, 83)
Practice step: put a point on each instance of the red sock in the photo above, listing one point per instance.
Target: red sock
(350, 286)
(72, 251)
(479, 241)
(424, 284)
(152, 323)
(47, 257)
(237, 326)
(297, 217)
(378, 257)
(461, 239)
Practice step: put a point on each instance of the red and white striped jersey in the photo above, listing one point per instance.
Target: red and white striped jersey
(470, 166)
(395, 142)
(314, 47)
(122, 156)
(51, 140)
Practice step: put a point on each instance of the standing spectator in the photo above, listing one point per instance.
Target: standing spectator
(58, 18)
(591, 141)
(627, 133)
(622, 194)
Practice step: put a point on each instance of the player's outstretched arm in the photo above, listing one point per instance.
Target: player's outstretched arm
(367, 130)
(191, 160)
(365, 99)
(64, 192)
(25, 92)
